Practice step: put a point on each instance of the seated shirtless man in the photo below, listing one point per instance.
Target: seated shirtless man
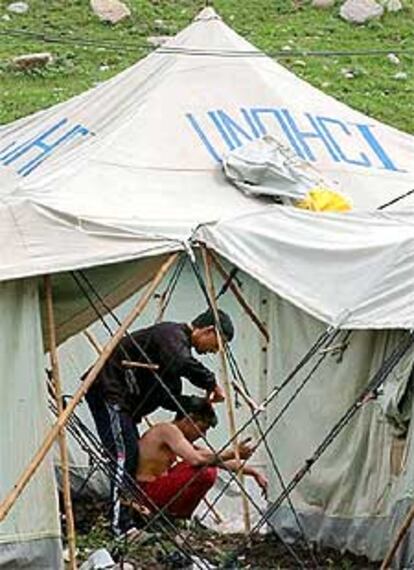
(169, 462)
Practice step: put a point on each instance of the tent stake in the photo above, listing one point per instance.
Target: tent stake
(225, 378)
(48, 441)
(67, 498)
(398, 539)
(238, 294)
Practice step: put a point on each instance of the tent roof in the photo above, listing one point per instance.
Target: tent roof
(132, 167)
(351, 271)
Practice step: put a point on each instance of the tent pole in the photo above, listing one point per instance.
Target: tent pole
(238, 294)
(97, 346)
(398, 539)
(225, 378)
(67, 498)
(91, 338)
(50, 438)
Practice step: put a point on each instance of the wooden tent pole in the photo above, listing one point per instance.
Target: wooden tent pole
(225, 378)
(239, 296)
(67, 498)
(48, 441)
(93, 341)
(398, 539)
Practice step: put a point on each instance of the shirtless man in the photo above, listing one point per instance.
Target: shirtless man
(169, 462)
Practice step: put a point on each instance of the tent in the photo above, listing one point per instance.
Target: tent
(115, 179)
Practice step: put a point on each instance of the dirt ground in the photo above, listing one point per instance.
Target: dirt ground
(164, 549)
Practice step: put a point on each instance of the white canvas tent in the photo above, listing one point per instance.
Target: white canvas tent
(130, 171)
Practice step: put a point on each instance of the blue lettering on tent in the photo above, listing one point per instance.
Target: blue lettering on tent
(32, 152)
(341, 141)
(363, 160)
(368, 135)
(233, 129)
(221, 129)
(259, 114)
(249, 121)
(315, 133)
(203, 137)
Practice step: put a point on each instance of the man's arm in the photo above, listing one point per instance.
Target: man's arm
(177, 359)
(200, 376)
(180, 446)
(237, 466)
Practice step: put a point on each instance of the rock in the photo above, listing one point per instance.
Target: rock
(112, 11)
(392, 58)
(401, 76)
(100, 559)
(323, 3)
(159, 24)
(202, 563)
(347, 73)
(360, 11)
(394, 5)
(18, 7)
(157, 41)
(32, 60)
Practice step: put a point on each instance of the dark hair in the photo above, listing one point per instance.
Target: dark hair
(207, 319)
(199, 409)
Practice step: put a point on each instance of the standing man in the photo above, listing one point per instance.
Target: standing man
(123, 393)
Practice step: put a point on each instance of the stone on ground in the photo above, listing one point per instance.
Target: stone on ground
(392, 58)
(157, 41)
(112, 11)
(18, 7)
(360, 11)
(394, 5)
(401, 76)
(32, 60)
(323, 3)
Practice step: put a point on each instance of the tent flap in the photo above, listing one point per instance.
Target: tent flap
(28, 533)
(353, 270)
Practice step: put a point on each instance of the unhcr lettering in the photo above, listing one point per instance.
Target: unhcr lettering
(310, 136)
(30, 154)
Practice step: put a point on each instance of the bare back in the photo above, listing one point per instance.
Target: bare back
(155, 455)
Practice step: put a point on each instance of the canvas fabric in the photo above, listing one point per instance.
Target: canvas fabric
(28, 535)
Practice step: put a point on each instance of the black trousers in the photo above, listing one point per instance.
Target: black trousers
(119, 435)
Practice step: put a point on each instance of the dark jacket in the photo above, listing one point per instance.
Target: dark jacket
(138, 391)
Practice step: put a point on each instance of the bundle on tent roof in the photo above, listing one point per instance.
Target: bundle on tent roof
(268, 168)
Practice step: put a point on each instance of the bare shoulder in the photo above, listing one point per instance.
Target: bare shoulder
(165, 431)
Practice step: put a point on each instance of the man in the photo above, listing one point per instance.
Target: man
(124, 392)
(161, 477)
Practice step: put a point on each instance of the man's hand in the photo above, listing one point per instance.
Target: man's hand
(245, 448)
(262, 481)
(217, 395)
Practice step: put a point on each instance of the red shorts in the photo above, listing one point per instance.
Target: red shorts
(162, 490)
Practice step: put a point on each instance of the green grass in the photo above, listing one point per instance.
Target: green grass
(269, 24)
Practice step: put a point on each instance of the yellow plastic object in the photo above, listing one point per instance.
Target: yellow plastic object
(324, 200)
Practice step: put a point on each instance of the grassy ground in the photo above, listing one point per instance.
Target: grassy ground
(269, 24)
(159, 552)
